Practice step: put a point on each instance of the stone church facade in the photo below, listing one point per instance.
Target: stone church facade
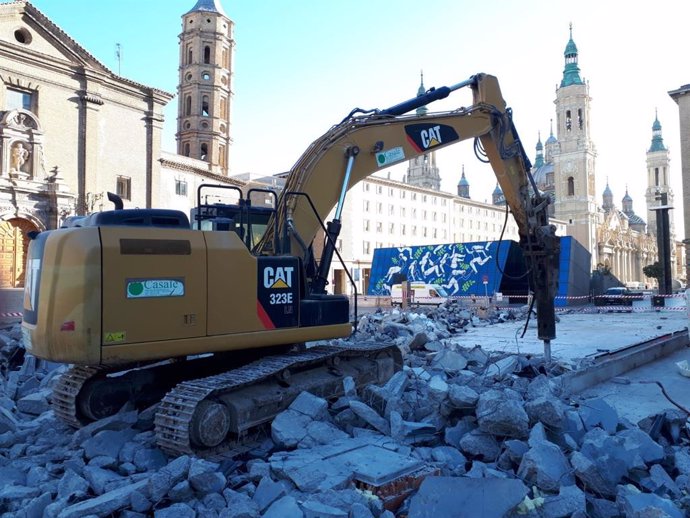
(72, 130)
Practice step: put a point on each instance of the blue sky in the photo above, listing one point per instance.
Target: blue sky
(301, 66)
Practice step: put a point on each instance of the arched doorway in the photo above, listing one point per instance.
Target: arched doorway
(14, 244)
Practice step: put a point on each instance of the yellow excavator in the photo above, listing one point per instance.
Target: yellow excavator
(211, 318)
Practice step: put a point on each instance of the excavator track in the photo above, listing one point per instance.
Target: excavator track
(67, 388)
(178, 416)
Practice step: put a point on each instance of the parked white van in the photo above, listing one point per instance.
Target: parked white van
(420, 294)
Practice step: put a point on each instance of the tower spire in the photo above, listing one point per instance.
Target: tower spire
(422, 110)
(571, 72)
(657, 139)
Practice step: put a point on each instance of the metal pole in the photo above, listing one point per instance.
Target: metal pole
(547, 351)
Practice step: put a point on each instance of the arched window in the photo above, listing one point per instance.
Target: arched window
(580, 118)
(186, 149)
(188, 105)
(189, 55)
(207, 54)
(571, 186)
(204, 106)
(204, 152)
(568, 121)
(656, 176)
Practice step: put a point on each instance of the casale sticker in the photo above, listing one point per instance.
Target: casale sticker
(423, 137)
(277, 297)
(149, 288)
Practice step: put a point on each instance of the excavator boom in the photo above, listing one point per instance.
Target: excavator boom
(361, 145)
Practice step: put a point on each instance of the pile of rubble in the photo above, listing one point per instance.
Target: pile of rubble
(458, 432)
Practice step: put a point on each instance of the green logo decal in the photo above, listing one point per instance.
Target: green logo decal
(135, 289)
(147, 288)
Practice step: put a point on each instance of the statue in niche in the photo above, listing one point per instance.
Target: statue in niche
(19, 156)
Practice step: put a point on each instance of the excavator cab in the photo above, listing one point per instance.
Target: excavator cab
(247, 216)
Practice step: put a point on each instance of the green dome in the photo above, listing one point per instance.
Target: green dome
(571, 73)
(657, 139)
(463, 181)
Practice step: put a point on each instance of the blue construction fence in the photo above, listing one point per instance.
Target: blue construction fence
(477, 269)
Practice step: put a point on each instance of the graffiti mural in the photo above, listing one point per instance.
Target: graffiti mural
(460, 268)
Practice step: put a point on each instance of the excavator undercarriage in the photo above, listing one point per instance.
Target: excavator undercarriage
(206, 415)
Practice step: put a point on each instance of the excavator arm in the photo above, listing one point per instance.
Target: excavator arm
(363, 144)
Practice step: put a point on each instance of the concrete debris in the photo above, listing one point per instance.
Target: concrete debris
(502, 413)
(458, 432)
(466, 497)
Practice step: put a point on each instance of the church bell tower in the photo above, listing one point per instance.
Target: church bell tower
(205, 85)
(574, 156)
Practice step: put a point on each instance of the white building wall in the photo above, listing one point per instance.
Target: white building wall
(380, 213)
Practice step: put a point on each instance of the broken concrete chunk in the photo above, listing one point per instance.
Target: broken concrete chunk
(634, 503)
(119, 421)
(166, 478)
(570, 500)
(204, 477)
(450, 458)
(477, 356)
(408, 432)
(313, 509)
(500, 416)
(462, 396)
(289, 428)
(107, 442)
(453, 434)
(597, 412)
(104, 504)
(319, 432)
(239, 505)
(660, 482)
(286, 506)
(601, 475)
(267, 492)
(502, 368)
(466, 497)
(308, 404)
(35, 403)
(178, 510)
(635, 441)
(149, 459)
(181, 492)
(417, 342)
(545, 466)
(8, 423)
(481, 445)
(549, 411)
(449, 361)
(369, 415)
(438, 386)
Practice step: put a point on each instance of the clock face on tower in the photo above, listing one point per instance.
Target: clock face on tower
(569, 167)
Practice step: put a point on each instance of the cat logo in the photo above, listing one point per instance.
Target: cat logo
(423, 137)
(279, 277)
(431, 137)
